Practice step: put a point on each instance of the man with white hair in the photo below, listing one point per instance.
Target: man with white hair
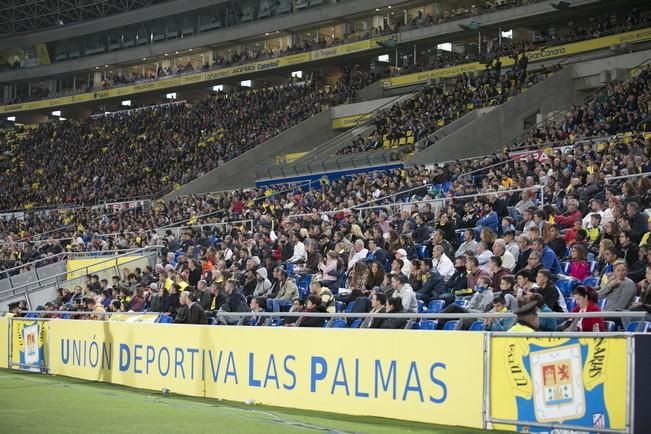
(406, 263)
(499, 249)
(442, 263)
(358, 252)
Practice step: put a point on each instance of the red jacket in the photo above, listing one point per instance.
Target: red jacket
(567, 220)
(587, 324)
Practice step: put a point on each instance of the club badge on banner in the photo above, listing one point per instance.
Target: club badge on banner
(571, 381)
(28, 344)
(385, 373)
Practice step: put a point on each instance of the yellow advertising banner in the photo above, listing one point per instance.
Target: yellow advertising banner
(354, 372)
(81, 267)
(29, 344)
(534, 56)
(4, 342)
(350, 121)
(573, 381)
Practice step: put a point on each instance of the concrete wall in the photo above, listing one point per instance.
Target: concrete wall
(359, 108)
(241, 171)
(501, 125)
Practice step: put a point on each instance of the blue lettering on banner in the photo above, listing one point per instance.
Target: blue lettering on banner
(193, 352)
(231, 371)
(391, 375)
(341, 376)
(441, 384)
(343, 381)
(272, 372)
(107, 355)
(150, 356)
(320, 363)
(125, 357)
(136, 358)
(252, 381)
(161, 371)
(358, 393)
(290, 372)
(413, 371)
(215, 372)
(178, 362)
(93, 354)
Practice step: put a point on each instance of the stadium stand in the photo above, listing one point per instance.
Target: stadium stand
(366, 248)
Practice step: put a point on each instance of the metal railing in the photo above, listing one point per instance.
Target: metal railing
(411, 318)
(56, 279)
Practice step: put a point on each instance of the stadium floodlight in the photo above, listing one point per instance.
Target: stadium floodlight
(11, 118)
(383, 58)
(561, 5)
(171, 95)
(446, 46)
(508, 34)
(218, 87)
(297, 74)
(126, 103)
(245, 83)
(56, 113)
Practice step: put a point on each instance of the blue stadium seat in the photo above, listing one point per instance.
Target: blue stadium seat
(339, 324)
(451, 325)
(570, 302)
(478, 326)
(428, 324)
(304, 287)
(602, 303)
(165, 319)
(435, 306)
(610, 326)
(591, 281)
(211, 321)
(633, 327)
(339, 306)
(565, 266)
(277, 322)
(566, 286)
(593, 266)
(349, 307)
(355, 324)
(462, 302)
(421, 306)
(289, 268)
(421, 251)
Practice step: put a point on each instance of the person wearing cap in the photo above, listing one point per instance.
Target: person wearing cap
(527, 314)
(401, 254)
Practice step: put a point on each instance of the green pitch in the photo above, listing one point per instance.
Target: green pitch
(35, 403)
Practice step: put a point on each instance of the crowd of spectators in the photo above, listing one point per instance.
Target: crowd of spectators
(145, 152)
(592, 27)
(586, 249)
(435, 106)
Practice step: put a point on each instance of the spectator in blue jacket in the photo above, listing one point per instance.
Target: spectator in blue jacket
(547, 257)
(488, 219)
(432, 285)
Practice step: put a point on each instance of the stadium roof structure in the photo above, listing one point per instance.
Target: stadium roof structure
(19, 16)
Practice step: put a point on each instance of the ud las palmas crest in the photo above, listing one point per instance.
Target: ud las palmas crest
(558, 384)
